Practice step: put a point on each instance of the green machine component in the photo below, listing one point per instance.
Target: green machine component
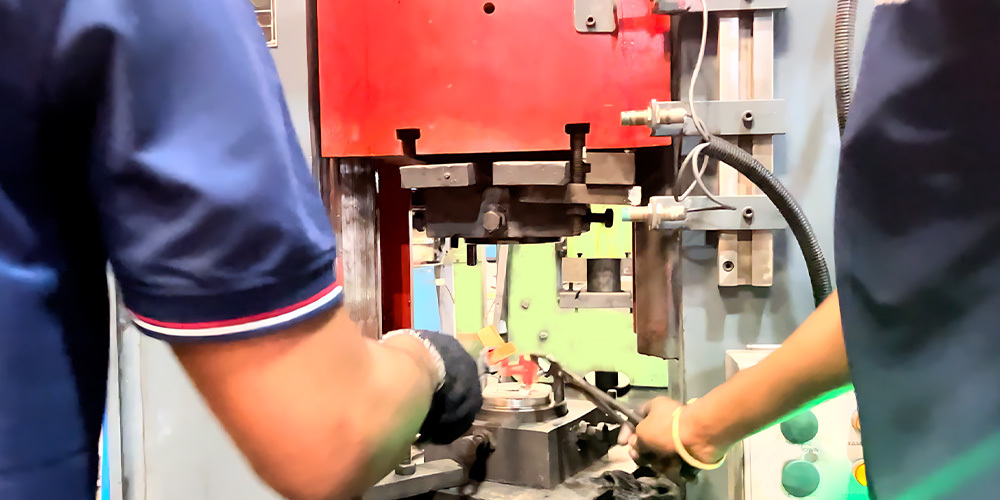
(582, 339)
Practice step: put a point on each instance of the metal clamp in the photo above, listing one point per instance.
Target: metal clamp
(595, 16)
(683, 6)
(753, 213)
(758, 117)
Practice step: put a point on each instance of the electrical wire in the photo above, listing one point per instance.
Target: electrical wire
(695, 154)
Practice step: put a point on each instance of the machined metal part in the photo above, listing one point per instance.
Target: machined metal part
(541, 454)
(722, 118)
(657, 283)
(604, 275)
(595, 300)
(595, 16)
(575, 194)
(752, 213)
(429, 476)
(472, 214)
(359, 248)
(611, 168)
(432, 176)
(574, 270)
(527, 173)
(674, 6)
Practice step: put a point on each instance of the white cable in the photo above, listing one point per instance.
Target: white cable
(695, 154)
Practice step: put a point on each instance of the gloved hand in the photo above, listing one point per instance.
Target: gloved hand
(459, 396)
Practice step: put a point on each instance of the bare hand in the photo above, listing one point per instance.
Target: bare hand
(653, 439)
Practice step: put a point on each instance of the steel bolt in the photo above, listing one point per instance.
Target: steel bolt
(543, 335)
(406, 469)
(493, 220)
(748, 119)
(447, 175)
(591, 22)
(728, 266)
(525, 304)
(748, 214)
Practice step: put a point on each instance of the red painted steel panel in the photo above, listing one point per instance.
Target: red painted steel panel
(477, 82)
(394, 240)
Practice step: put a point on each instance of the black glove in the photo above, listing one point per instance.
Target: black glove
(458, 400)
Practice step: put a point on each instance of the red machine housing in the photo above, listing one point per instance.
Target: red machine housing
(476, 77)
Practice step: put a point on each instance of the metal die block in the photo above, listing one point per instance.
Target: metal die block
(492, 215)
(574, 270)
(433, 176)
(611, 168)
(595, 300)
(544, 454)
(595, 16)
(528, 173)
(575, 194)
(674, 6)
(427, 477)
(752, 213)
(728, 117)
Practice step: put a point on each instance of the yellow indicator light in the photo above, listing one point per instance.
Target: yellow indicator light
(859, 473)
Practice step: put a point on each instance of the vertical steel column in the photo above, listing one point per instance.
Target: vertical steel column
(746, 71)
(358, 246)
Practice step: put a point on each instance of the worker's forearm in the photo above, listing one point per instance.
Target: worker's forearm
(320, 412)
(810, 363)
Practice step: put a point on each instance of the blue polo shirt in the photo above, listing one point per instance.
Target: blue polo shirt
(152, 134)
(918, 249)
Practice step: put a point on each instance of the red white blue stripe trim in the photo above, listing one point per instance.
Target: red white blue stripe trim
(263, 321)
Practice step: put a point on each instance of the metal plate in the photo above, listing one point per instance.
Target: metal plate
(595, 300)
(526, 173)
(674, 6)
(595, 16)
(752, 212)
(611, 168)
(431, 476)
(727, 117)
(432, 176)
(509, 80)
(575, 194)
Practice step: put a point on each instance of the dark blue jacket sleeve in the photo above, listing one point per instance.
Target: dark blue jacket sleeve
(213, 223)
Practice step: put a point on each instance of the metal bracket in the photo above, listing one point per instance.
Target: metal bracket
(434, 176)
(595, 300)
(684, 6)
(757, 117)
(595, 16)
(752, 213)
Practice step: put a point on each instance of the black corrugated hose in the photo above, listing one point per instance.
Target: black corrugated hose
(744, 163)
(843, 44)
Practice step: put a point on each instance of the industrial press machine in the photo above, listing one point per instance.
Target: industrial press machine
(529, 153)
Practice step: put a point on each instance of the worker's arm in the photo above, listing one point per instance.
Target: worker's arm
(222, 247)
(810, 363)
(318, 410)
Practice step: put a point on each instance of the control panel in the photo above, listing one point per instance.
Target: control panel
(815, 454)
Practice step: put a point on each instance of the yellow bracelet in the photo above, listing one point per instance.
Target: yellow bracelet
(682, 451)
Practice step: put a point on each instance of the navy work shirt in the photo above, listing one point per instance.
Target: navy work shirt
(918, 249)
(152, 133)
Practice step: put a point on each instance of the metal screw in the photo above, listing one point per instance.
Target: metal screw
(525, 304)
(748, 119)
(406, 469)
(728, 266)
(748, 214)
(591, 22)
(543, 335)
(447, 175)
(492, 220)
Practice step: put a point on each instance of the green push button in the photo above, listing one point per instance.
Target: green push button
(801, 429)
(800, 478)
